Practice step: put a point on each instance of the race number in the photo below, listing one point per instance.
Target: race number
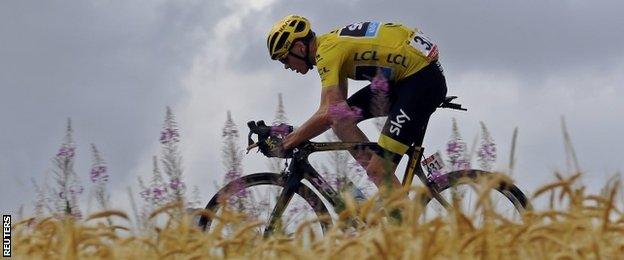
(434, 163)
(423, 44)
(361, 29)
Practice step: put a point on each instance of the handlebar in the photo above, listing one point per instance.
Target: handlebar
(260, 129)
(448, 104)
(264, 133)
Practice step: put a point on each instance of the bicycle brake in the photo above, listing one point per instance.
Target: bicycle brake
(252, 146)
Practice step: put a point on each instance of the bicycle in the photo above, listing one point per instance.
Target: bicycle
(290, 180)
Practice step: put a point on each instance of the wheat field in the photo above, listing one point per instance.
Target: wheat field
(575, 226)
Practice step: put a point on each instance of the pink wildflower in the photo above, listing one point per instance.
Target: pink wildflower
(76, 189)
(98, 174)
(176, 184)
(438, 178)
(145, 194)
(158, 193)
(487, 151)
(169, 135)
(280, 130)
(461, 164)
(342, 111)
(455, 149)
(66, 151)
(380, 82)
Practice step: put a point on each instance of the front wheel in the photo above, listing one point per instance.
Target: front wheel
(253, 198)
(478, 195)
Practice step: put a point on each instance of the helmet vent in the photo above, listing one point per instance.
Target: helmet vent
(271, 42)
(292, 23)
(282, 39)
(300, 26)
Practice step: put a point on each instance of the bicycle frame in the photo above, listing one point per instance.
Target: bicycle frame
(300, 169)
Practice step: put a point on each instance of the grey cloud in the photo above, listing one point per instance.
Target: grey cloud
(529, 38)
(111, 66)
(253, 44)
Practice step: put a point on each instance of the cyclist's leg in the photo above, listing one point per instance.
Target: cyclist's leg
(372, 103)
(380, 171)
(348, 131)
(376, 104)
(414, 100)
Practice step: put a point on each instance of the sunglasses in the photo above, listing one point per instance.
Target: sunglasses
(285, 59)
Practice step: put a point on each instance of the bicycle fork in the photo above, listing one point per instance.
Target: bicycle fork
(292, 181)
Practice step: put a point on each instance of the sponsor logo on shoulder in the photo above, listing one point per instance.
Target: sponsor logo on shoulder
(372, 29)
(361, 29)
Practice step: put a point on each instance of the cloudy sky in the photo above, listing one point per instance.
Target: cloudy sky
(113, 67)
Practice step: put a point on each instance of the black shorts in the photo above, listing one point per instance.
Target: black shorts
(408, 104)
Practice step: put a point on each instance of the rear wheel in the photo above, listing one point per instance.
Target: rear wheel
(252, 198)
(479, 195)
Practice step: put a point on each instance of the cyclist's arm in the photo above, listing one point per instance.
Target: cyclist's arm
(320, 121)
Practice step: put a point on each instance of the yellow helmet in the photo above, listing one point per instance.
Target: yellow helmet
(285, 32)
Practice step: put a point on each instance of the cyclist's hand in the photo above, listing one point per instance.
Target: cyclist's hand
(272, 147)
(281, 130)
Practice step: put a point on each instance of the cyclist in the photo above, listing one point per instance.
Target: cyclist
(405, 57)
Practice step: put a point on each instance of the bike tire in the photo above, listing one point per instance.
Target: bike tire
(265, 178)
(510, 191)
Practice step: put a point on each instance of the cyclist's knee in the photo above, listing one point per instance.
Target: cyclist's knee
(381, 171)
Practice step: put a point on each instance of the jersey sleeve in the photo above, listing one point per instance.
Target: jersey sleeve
(328, 64)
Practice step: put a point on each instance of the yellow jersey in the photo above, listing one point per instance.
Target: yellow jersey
(357, 51)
